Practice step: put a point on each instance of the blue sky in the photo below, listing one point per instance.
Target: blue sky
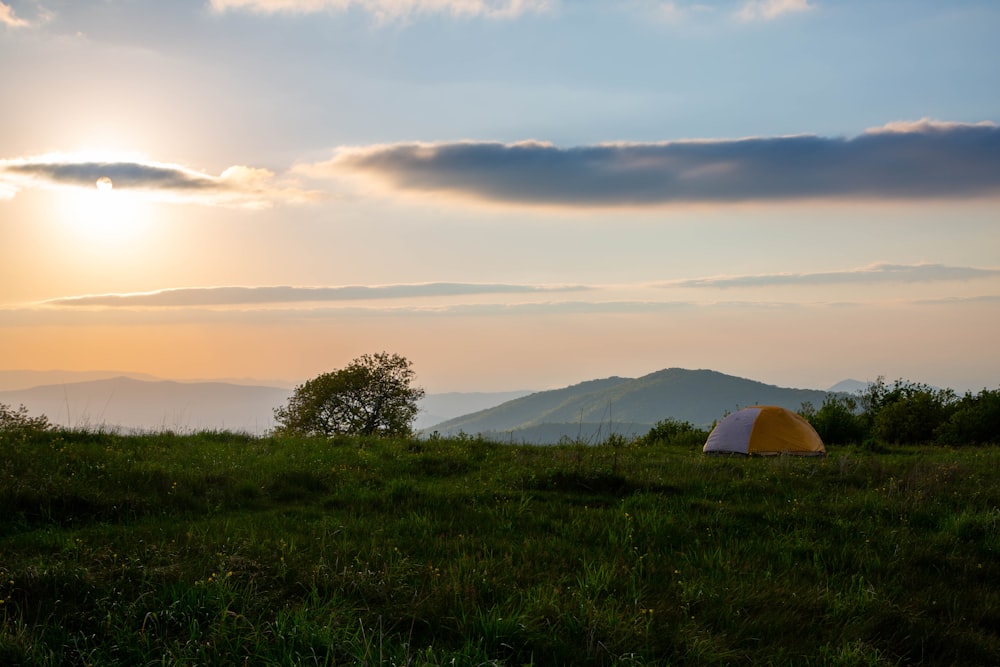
(513, 194)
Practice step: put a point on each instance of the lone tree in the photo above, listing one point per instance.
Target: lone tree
(370, 396)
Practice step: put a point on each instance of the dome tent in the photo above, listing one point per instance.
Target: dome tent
(764, 430)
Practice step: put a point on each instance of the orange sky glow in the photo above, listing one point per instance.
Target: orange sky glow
(250, 189)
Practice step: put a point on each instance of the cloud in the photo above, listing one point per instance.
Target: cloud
(305, 299)
(392, 9)
(924, 160)
(8, 18)
(768, 10)
(876, 273)
(236, 186)
(233, 296)
(47, 315)
(958, 300)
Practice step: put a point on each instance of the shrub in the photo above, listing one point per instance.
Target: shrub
(907, 413)
(838, 421)
(19, 422)
(675, 432)
(974, 420)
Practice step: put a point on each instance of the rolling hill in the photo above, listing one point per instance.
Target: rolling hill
(590, 411)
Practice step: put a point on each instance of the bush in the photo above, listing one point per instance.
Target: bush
(907, 413)
(974, 420)
(838, 421)
(20, 423)
(676, 433)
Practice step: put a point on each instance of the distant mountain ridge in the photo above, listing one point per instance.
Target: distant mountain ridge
(15, 380)
(131, 404)
(106, 399)
(588, 411)
(436, 408)
(592, 410)
(11, 380)
(849, 386)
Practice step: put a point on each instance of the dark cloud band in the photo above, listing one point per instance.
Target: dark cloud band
(906, 161)
(236, 186)
(122, 174)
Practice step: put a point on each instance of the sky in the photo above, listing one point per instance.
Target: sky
(513, 194)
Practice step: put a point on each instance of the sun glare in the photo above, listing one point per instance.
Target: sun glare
(103, 214)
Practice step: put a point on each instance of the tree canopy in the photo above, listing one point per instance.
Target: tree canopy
(372, 395)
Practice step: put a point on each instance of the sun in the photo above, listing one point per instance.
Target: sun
(103, 214)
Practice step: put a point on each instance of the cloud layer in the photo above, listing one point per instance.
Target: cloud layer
(874, 274)
(236, 186)
(196, 297)
(921, 160)
(391, 9)
(233, 296)
(746, 10)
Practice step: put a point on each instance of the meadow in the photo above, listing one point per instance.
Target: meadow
(220, 549)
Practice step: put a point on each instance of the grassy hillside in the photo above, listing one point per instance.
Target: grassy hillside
(221, 549)
(696, 396)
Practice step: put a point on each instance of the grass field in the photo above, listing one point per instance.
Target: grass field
(216, 548)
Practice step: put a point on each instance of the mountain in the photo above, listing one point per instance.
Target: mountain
(143, 402)
(128, 403)
(848, 386)
(436, 408)
(25, 379)
(590, 411)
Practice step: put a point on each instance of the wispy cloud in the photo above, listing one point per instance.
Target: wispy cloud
(921, 160)
(441, 296)
(48, 315)
(236, 186)
(768, 10)
(392, 9)
(9, 18)
(950, 300)
(873, 274)
(235, 296)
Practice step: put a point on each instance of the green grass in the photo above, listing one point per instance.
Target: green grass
(222, 549)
